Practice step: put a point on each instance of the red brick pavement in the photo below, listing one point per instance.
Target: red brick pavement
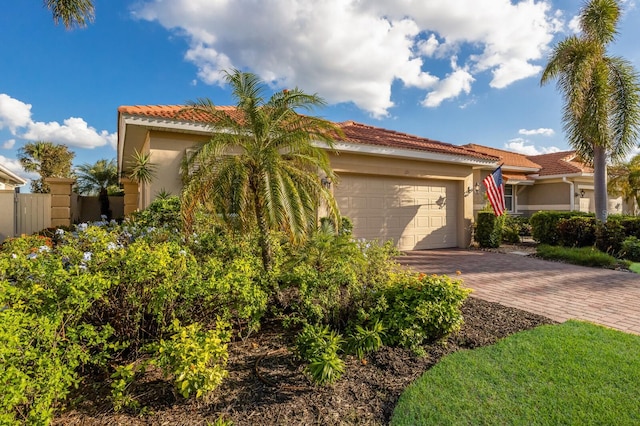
(556, 290)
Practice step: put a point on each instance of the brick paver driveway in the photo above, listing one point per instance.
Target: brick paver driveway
(556, 290)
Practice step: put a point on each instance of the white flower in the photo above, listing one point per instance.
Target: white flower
(103, 217)
(81, 227)
(60, 232)
(87, 256)
(183, 252)
(44, 248)
(112, 246)
(14, 256)
(32, 256)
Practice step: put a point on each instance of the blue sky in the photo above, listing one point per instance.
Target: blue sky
(458, 71)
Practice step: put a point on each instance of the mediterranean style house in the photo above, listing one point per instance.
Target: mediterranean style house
(418, 192)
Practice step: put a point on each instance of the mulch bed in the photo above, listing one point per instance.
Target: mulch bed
(266, 386)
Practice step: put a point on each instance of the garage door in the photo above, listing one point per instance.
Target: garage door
(414, 213)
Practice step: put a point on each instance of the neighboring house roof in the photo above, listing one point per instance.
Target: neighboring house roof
(560, 163)
(520, 167)
(507, 158)
(8, 176)
(356, 133)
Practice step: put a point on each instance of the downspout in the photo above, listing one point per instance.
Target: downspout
(572, 201)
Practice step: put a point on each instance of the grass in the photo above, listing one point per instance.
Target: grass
(574, 373)
(585, 256)
(635, 267)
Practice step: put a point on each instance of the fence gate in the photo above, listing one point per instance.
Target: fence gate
(33, 213)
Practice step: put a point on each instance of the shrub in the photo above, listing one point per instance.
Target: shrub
(609, 236)
(489, 230)
(585, 256)
(194, 358)
(577, 231)
(417, 309)
(510, 235)
(162, 212)
(544, 225)
(520, 224)
(365, 340)
(631, 226)
(319, 346)
(631, 249)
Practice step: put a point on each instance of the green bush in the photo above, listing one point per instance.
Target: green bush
(162, 212)
(520, 224)
(609, 236)
(585, 256)
(319, 346)
(631, 249)
(196, 359)
(544, 225)
(631, 226)
(489, 230)
(417, 309)
(365, 340)
(577, 231)
(510, 235)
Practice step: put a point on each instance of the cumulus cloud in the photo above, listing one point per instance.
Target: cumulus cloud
(453, 85)
(524, 146)
(74, 132)
(541, 131)
(354, 50)
(13, 165)
(13, 113)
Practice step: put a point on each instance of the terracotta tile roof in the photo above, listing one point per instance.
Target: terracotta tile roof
(507, 158)
(515, 176)
(560, 163)
(370, 135)
(175, 112)
(354, 132)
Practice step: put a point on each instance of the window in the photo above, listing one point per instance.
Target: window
(508, 197)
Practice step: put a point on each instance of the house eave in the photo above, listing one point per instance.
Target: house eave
(11, 177)
(560, 176)
(385, 151)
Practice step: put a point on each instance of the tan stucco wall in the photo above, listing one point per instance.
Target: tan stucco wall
(167, 151)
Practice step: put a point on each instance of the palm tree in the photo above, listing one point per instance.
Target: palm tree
(260, 167)
(72, 13)
(93, 178)
(48, 160)
(624, 180)
(601, 114)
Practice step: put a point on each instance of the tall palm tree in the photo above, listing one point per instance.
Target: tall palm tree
(601, 113)
(48, 160)
(72, 13)
(624, 180)
(260, 167)
(91, 179)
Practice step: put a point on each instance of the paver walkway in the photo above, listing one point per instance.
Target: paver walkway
(556, 290)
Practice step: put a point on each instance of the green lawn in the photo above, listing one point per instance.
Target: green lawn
(635, 267)
(574, 373)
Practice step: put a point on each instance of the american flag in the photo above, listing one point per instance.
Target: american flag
(495, 191)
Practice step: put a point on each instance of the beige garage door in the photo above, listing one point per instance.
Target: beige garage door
(414, 213)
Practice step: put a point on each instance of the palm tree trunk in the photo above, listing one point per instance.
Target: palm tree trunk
(263, 229)
(600, 183)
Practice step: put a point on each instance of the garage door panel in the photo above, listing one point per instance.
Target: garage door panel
(414, 213)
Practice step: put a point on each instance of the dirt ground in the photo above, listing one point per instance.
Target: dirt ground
(266, 386)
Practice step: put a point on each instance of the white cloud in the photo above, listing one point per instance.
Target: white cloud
(574, 24)
(520, 145)
(73, 132)
(13, 165)
(13, 113)
(541, 131)
(9, 144)
(354, 50)
(450, 87)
